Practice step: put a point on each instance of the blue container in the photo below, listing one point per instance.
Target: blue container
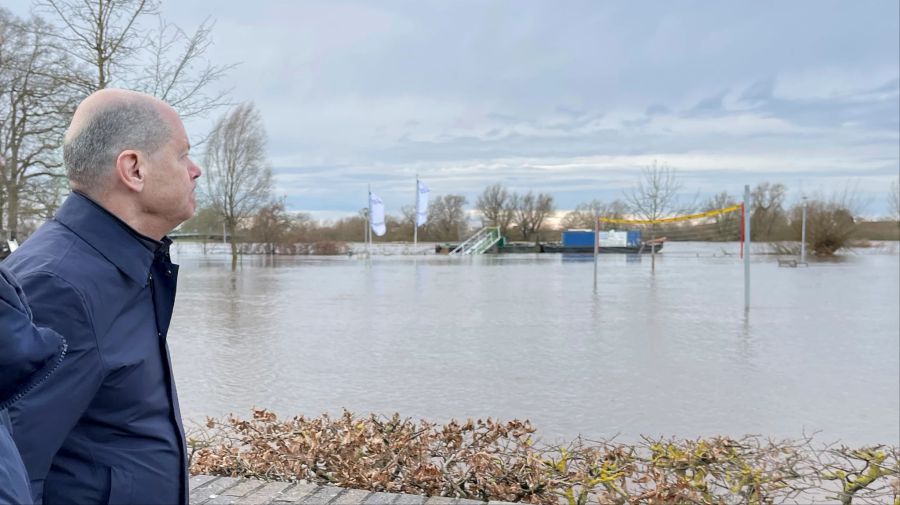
(576, 238)
(634, 238)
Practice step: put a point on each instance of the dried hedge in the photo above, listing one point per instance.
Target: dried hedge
(493, 460)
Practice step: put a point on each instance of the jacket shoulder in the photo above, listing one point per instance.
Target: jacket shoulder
(57, 256)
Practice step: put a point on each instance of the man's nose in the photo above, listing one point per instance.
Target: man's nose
(195, 170)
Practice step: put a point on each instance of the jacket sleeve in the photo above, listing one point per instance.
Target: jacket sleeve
(13, 481)
(11, 292)
(43, 419)
(27, 353)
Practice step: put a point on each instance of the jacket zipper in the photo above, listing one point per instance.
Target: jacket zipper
(43, 379)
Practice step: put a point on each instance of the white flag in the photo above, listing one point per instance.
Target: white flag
(377, 214)
(422, 204)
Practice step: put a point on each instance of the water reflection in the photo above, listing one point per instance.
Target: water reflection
(524, 336)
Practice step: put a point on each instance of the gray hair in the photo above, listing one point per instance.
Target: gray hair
(91, 154)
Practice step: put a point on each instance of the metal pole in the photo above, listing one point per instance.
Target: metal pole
(416, 217)
(803, 235)
(369, 221)
(596, 245)
(747, 243)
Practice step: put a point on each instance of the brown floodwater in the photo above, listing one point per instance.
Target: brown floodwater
(524, 336)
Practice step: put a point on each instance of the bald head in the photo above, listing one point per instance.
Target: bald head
(106, 123)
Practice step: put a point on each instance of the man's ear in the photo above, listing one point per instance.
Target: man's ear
(130, 169)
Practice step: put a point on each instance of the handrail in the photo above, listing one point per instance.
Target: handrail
(462, 246)
(488, 242)
(479, 242)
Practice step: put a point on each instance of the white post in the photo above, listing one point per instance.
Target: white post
(416, 217)
(596, 243)
(365, 214)
(803, 235)
(369, 221)
(747, 243)
(224, 233)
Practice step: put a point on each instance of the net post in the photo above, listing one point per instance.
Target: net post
(747, 242)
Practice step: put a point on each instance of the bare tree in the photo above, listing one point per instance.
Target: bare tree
(35, 104)
(104, 35)
(768, 219)
(656, 194)
(585, 213)
(530, 210)
(109, 38)
(495, 205)
(238, 182)
(582, 217)
(271, 226)
(38, 201)
(654, 197)
(447, 218)
(831, 221)
(179, 73)
(726, 226)
(45, 69)
(302, 227)
(401, 227)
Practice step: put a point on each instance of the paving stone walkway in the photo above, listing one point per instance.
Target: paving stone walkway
(210, 490)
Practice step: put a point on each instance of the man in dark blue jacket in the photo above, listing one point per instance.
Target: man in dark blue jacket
(106, 427)
(28, 355)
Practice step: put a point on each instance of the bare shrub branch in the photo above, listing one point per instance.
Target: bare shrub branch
(495, 460)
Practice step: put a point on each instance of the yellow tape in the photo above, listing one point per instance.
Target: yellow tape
(709, 213)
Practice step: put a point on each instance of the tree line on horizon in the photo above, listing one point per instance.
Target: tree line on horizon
(832, 221)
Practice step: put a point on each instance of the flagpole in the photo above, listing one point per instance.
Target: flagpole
(416, 217)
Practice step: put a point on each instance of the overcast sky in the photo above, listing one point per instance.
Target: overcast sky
(566, 97)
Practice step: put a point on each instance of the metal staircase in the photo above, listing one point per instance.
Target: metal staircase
(479, 243)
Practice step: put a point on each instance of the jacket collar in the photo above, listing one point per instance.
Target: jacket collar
(121, 245)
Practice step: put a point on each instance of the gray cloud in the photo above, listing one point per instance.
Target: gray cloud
(573, 97)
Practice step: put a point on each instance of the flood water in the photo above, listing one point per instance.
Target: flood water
(524, 336)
